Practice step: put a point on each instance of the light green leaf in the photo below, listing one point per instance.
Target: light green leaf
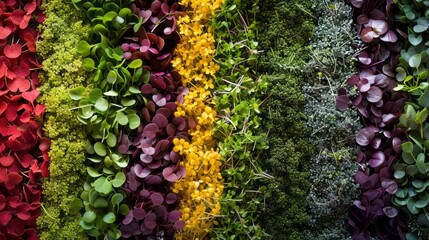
(135, 63)
(95, 94)
(89, 216)
(102, 185)
(119, 179)
(111, 93)
(83, 48)
(77, 93)
(109, 218)
(117, 198)
(101, 105)
(100, 149)
(88, 64)
(122, 119)
(111, 77)
(415, 61)
(134, 121)
(93, 172)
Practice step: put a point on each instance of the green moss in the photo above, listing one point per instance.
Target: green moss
(62, 30)
(285, 30)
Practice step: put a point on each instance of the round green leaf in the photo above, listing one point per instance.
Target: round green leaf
(88, 64)
(415, 61)
(122, 119)
(111, 140)
(100, 203)
(102, 185)
(117, 198)
(399, 174)
(101, 105)
(76, 204)
(109, 218)
(85, 225)
(95, 94)
(77, 93)
(119, 179)
(134, 89)
(419, 28)
(415, 39)
(124, 209)
(111, 77)
(89, 216)
(93, 172)
(401, 74)
(83, 48)
(128, 102)
(407, 147)
(100, 149)
(136, 63)
(423, 220)
(134, 121)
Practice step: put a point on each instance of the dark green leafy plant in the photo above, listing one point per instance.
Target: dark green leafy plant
(284, 31)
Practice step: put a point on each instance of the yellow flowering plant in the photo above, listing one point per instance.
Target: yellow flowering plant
(201, 188)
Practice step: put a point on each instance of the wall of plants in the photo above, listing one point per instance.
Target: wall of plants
(214, 119)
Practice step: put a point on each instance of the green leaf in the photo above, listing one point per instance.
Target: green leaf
(94, 159)
(76, 204)
(146, 76)
(419, 28)
(119, 179)
(111, 93)
(111, 77)
(77, 93)
(408, 157)
(423, 201)
(85, 225)
(89, 216)
(134, 89)
(135, 63)
(127, 102)
(401, 74)
(102, 185)
(122, 119)
(415, 61)
(123, 209)
(100, 203)
(93, 172)
(423, 100)
(100, 149)
(415, 39)
(399, 174)
(101, 105)
(111, 140)
(134, 121)
(407, 147)
(422, 116)
(95, 94)
(83, 48)
(138, 25)
(109, 218)
(117, 198)
(420, 163)
(88, 64)
(124, 12)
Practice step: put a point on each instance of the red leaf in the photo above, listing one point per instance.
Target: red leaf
(26, 160)
(38, 110)
(2, 202)
(31, 96)
(3, 175)
(5, 218)
(11, 112)
(21, 70)
(12, 51)
(31, 42)
(25, 21)
(3, 70)
(45, 169)
(23, 215)
(20, 84)
(17, 16)
(4, 32)
(6, 161)
(30, 7)
(3, 107)
(25, 117)
(13, 179)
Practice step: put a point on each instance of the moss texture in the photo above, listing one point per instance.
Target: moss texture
(285, 30)
(62, 30)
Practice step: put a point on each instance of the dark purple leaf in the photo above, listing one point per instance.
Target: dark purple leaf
(174, 216)
(377, 159)
(364, 137)
(139, 213)
(150, 221)
(171, 198)
(361, 177)
(390, 186)
(140, 171)
(153, 180)
(390, 212)
(160, 120)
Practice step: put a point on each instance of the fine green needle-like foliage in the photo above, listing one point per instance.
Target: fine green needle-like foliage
(285, 30)
(62, 30)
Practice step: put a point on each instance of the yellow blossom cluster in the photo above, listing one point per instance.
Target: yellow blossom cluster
(201, 188)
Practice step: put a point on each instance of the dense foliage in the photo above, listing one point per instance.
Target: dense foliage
(412, 76)
(238, 93)
(380, 107)
(155, 165)
(23, 148)
(284, 32)
(62, 30)
(333, 164)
